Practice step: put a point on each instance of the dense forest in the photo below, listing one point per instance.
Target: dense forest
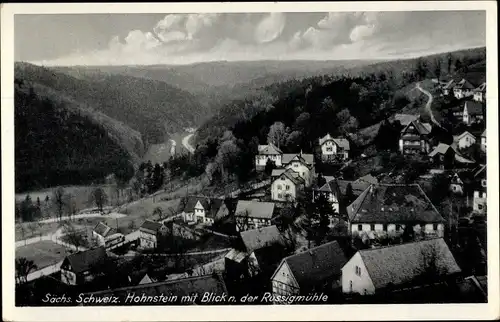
(296, 113)
(151, 107)
(58, 144)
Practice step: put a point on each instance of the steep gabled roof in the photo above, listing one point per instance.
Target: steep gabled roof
(450, 84)
(441, 148)
(404, 263)
(103, 230)
(258, 238)
(341, 142)
(150, 226)
(464, 84)
(306, 158)
(481, 88)
(292, 176)
(422, 128)
(210, 205)
(474, 108)
(316, 265)
(463, 135)
(331, 186)
(83, 261)
(269, 149)
(255, 209)
(393, 203)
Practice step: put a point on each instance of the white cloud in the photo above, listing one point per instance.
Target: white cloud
(361, 32)
(197, 22)
(270, 27)
(138, 40)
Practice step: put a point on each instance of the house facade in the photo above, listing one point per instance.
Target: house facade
(414, 138)
(480, 93)
(287, 186)
(313, 270)
(101, 233)
(303, 164)
(443, 156)
(385, 210)
(202, 210)
(250, 214)
(456, 184)
(334, 148)
(473, 112)
(149, 233)
(373, 270)
(464, 140)
(77, 268)
(463, 89)
(265, 153)
(331, 191)
(479, 188)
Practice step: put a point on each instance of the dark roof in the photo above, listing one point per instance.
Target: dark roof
(464, 84)
(403, 263)
(306, 158)
(103, 229)
(255, 209)
(83, 261)
(357, 187)
(269, 149)
(269, 258)
(393, 203)
(330, 186)
(180, 287)
(341, 142)
(211, 205)
(292, 176)
(317, 265)
(474, 108)
(150, 226)
(258, 238)
(440, 149)
(422, 128)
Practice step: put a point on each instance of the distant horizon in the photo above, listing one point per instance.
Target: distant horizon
(145, 39)
(261, 60)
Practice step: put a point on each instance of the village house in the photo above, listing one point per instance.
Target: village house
(384, 210)
(182, 291)
(443, 156)
(331, 191)
(77, 268)
(265, 153)
(315, 270)
(447, 87)
(287, 186)
(149, 233)
(483, 140)
(480, 93)
(414, 138)
(463, 89)
(102, 233)
(473, 112)
(479, 188)
(456, 184)
(301, 163)
(250, 214)
(334, 148)
(371, 271)
(260, 251)
(203, 210)
(464, 140)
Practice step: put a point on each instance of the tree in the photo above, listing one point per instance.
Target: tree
(23, 268)
(99, 197)
(227, 158)
(277, 134)
(58, 200)
(74, 237)
(270, 165)
(321, 181)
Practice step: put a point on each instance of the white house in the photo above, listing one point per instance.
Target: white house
(414, 138)
(334, 148)
(463, 89)
(386, 209)
(202, 210)
(149, 233)
(464, 140)
(479, 185)
(77, 268)
(301, 163)
(101, 233)
(473, 112)
(267, 152)
(314, 270)
(483, 140)
(372, 270)
(287, 186)
(456, 184)
(331, 191)
(250, 214)
(480, 93)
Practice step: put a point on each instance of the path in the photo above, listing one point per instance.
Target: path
(428, 104)
(213, 251)
(185, 143)
(89, 215)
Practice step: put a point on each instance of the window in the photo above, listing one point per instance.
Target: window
(280, 195)
(480, 207)
(434, 226)
(329, 149)
(350, 285)
(279, 187)
(360, 227)
(372, 227)
(295, 165)
(358, 270)
(385, 227)
(287, 187)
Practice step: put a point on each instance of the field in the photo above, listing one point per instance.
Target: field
(34, 230)
(43, 253)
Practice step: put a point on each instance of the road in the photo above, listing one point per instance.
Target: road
(185, 143)
(428, 104)
(80, 216)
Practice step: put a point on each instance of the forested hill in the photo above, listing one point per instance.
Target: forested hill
(151, 107)
(59, 141)
(301, 111)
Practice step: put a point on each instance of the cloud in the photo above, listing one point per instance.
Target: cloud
(138, 40)
(270, 27)
(361, 32)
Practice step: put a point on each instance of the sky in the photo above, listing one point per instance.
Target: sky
(149, 39)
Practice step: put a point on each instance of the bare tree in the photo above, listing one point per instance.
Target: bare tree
(23, 268)
(99, 197)
(58, 200)
(277, 134)
(74, 236)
